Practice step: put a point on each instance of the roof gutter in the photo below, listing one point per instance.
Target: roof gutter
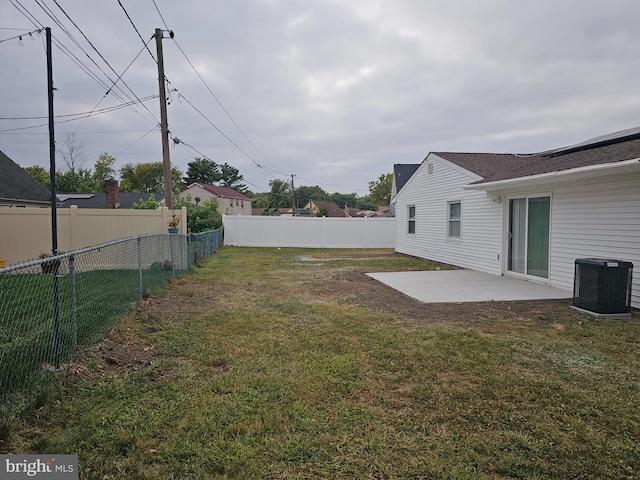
(557, 176)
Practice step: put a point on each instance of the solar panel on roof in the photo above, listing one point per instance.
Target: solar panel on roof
(607, 139)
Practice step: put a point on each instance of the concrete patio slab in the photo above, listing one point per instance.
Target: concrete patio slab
(455, 286)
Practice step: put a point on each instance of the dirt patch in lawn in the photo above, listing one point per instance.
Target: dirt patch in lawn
(119, 351)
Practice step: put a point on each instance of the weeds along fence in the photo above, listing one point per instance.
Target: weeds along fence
(50, 307)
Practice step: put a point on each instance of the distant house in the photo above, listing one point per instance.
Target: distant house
(401, 173)
(230, 202)
(332, 208)
(526, 216)
(284, 211)
(110, 198)
(18, 188)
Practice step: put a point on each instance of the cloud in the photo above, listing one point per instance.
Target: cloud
(333, 91)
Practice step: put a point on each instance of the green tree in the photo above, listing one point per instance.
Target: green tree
(150, 204)
(146, 177)
(40, 174)
(342, 199)
(260, 200)
(200, 218)
(230, 177)
(74, 181)
(102, 171)
(305, 193)
(380, 190)
(365, 203)
(202, 170)
(279, 196)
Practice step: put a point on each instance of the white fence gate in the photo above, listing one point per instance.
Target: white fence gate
(311, 232)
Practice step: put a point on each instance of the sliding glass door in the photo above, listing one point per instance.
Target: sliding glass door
(529, 236)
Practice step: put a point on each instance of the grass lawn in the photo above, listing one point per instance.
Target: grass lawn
(292, 364)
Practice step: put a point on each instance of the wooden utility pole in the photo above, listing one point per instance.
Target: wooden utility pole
(164, 124)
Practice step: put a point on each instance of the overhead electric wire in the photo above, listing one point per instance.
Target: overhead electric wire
(136, 29)
(213, 94)
(276, 169)
(102, 57)
(30, 34)
(107, 93)
(132, 144)
(202, 155)
(223, 108)
(223, 134)
(55, 19)
(161, 17)
(82, 116)
(66, 51)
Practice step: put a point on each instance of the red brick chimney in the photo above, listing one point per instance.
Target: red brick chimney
(111, 188)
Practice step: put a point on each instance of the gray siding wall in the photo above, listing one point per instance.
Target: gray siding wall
(480, 244)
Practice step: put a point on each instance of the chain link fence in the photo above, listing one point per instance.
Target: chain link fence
(52, 306)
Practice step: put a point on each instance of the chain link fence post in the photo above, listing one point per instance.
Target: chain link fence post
(72, 293)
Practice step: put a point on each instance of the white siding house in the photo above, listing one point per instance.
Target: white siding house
(527, 216)
(431, 191)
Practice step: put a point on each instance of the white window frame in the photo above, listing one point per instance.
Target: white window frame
(451, 220)
(411, 220)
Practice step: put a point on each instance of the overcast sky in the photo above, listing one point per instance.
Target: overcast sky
(333, 91)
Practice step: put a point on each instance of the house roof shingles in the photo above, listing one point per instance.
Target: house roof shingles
(99, 199)
(333, 209)
(402, 172)
(219, 191)
(504, 166)
(16, 184)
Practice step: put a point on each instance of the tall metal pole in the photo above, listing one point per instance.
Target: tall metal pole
(57, 352)
(293, 197)
(164, 125)
(52, 147)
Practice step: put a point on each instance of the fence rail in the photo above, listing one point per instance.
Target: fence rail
(49, 307)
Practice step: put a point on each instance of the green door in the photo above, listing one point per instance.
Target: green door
(529, 236)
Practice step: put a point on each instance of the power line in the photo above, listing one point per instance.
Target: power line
(136, 29)
(104, 132)
(178, 141)
(79, 114)
(224, 109)
(222, 133)
(229, 115)
(133, 143)
(161, 17)
(101, 56)
(214, 95)
(19, 37)
(107, 93)
(109, 88)
(66, 51)
(84, 117)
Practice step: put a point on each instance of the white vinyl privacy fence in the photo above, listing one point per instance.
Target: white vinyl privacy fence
(311, 232)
